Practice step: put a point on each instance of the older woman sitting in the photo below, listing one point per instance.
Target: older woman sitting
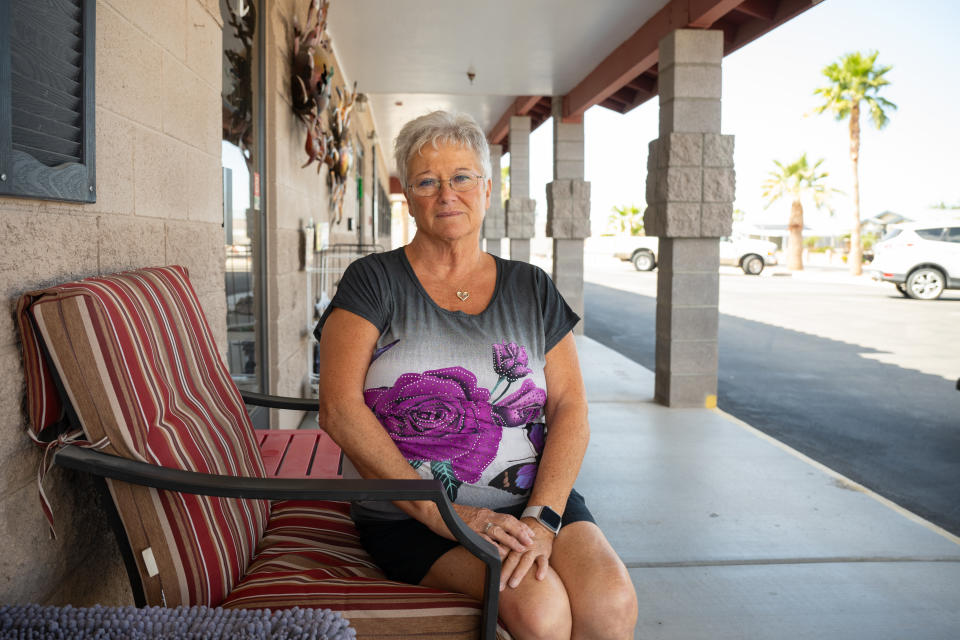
(441, 361)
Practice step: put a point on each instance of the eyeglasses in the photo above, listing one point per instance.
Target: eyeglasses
(426, 187)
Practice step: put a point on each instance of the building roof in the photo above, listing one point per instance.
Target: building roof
(413, 56)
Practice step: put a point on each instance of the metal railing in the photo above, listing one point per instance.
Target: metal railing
(323, 277)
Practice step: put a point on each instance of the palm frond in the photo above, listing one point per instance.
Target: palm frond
(853, 79)
(796, 179)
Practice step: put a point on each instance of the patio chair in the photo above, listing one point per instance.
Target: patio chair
(129, 359)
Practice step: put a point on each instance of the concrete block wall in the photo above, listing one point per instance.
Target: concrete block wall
(568, 153)
(568, 208)
(690, 176)
(521, 217)
(494, 222)
(690, 185)
(688, 287)
(158, 133)
(690, 192)
(520, 213)
(519, 137)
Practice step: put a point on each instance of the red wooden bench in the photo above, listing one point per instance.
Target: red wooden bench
(298, 454)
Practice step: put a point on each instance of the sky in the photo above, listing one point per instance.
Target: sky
(767, 95)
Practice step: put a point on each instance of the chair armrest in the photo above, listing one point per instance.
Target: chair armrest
(278, 402)
(150, 475)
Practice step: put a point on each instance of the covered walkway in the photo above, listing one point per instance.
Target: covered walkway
(729, 534)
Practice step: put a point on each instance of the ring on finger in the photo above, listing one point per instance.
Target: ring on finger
(486, 529)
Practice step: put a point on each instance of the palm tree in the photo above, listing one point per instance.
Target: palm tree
(627, 219)
(795, 181)
(855, 79)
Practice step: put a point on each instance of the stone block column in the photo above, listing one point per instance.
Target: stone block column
(521, 209)
(690, 191)
(568, 209)
(494, 223)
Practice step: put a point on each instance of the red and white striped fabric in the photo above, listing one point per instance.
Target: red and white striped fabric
(140, 366)
(311, 556)
(141, 369)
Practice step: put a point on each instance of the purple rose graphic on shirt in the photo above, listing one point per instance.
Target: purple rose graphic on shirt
(440, 415)
(510, 361)
(521, 406)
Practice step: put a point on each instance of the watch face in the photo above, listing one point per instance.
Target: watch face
(550, 518)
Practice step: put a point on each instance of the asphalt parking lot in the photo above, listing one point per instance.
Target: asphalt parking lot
(841, 368)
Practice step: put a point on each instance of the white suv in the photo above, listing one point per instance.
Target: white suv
(921, 259)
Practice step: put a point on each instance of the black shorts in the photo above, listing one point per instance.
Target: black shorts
(406, 549)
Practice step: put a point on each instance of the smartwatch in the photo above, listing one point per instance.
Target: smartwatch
(545, 516)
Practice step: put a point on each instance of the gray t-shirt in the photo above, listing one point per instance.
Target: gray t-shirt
(461, 395)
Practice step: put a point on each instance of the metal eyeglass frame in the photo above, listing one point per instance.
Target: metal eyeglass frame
(479, 178)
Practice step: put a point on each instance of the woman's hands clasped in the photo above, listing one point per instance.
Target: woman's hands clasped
(517, 564)
(519, 545)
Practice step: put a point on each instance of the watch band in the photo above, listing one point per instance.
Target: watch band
(545, 516)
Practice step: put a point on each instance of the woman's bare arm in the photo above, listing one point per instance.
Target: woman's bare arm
(568, 430)
(568, 433)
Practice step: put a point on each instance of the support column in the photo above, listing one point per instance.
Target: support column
(494, 223)
(690, 191)
(568, 208)
(520, 208)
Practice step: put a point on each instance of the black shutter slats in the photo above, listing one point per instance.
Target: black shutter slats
(49, 154)
(40, 30)
(46, 75)
(48, 18)
(43, 68)
(35, 93)
(69, 8)
(65, 148)
(58, 128)
(47, 115)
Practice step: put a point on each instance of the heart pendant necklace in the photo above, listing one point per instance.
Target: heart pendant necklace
(463, 295)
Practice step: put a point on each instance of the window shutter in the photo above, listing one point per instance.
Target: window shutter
(46, 99)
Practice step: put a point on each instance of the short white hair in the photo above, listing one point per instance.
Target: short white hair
(440, 127)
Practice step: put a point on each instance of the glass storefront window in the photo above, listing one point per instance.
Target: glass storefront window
(242, 210)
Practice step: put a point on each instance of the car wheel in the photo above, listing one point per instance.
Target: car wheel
(752, 264)
(643, 261)
(925, 283)
(902, 288)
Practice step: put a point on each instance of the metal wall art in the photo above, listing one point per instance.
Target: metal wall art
(327, 142)
(238, 103)
(340, 151)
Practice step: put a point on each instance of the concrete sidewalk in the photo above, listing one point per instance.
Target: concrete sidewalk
(729, 534)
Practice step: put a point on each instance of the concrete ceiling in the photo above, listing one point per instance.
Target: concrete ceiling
(413, 56)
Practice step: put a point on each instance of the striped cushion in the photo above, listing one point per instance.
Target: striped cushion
(141, 368)
(311, 556)
(44, 408)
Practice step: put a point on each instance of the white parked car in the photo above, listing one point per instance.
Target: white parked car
(748, 254)
(921, 259)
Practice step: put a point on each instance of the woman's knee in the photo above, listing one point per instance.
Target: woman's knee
(538, 613)
(541, 622)
(609, 611)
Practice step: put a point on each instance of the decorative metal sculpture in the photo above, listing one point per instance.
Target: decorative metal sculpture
(340, 150)
(310, 94)
(238, 104)
(310, 81)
